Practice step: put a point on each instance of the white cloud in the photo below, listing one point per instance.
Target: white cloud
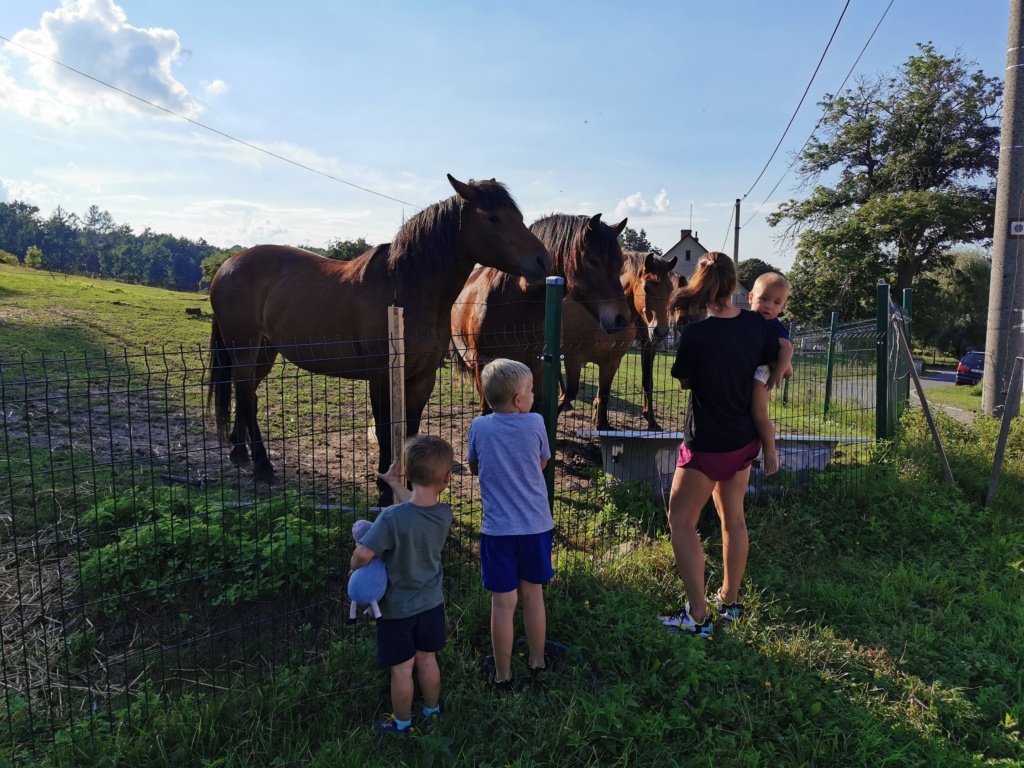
(36, 105)
(94, 37)
(635, 205)
(34, 194)
(216, 88)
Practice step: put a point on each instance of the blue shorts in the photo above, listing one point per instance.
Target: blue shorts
(507, 560)
(399, 639)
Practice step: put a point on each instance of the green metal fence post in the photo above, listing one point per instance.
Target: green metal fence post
(552, 372)
(882, 362)
(830, 360)
(908, 309)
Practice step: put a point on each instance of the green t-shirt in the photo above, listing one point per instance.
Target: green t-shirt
(410, 540)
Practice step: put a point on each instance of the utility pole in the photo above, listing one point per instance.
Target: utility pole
(1005, 339)
(736, 235)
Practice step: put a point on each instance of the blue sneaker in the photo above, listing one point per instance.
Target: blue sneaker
(389, 726)
(727, 611)
(430, 721)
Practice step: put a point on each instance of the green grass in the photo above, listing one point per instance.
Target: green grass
(883, 630)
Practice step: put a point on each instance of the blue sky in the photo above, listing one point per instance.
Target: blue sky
(664, 112)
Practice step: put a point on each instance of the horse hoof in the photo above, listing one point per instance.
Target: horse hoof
(239, 455)
(263, 473)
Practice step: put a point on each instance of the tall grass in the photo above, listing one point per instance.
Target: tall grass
(883, 629)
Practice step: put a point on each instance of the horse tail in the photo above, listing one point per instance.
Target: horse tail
(219, 385)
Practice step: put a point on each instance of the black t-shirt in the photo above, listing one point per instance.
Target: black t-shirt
(718, 356)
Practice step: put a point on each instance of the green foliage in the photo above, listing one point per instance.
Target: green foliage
(951, 303)
(9, 258)
(902, 168)
(748, 270)
(34, 258)
(346, 250)
(212, 263)
(160, 550)
(631, 240)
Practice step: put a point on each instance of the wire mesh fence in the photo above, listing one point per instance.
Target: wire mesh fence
(140, 560)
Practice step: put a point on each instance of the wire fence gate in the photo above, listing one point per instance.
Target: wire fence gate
(138, 563)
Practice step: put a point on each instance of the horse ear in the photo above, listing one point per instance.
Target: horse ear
(672, 262)
(617, 228)
(594, 221)
(464, 191)
(649, 261)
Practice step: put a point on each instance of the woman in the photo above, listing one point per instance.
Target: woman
(716, 361)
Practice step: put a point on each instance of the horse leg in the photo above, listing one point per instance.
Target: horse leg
(380, 404)
(606, 374)
(247, 411)
(647, 352)
(571, 382)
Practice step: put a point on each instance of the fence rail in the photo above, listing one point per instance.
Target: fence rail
(138, 563)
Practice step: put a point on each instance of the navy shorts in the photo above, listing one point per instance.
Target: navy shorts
(507, 560)
(399, 639)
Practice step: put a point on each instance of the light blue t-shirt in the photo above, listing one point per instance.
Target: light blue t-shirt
(509, 448)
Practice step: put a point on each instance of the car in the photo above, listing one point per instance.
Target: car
(971, 367)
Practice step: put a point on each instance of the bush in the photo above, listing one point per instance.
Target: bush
(9, 259)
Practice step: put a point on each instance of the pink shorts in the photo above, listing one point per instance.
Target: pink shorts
(718, 466)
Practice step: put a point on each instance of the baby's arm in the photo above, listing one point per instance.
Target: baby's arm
(360, 557)
(392, 479)
(782, 367)
(765, 429)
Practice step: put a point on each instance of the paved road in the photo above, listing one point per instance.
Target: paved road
(863, 391)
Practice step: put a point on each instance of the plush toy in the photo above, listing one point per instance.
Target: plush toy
(366, 585)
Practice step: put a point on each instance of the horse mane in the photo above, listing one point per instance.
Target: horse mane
(567, 238)
(427, 244)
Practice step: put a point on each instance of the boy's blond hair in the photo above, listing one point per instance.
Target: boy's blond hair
(501, 380)
(770, 280)
(427, 459)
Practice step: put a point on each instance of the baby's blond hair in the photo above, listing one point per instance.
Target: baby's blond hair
(770, 280)
(501, 380)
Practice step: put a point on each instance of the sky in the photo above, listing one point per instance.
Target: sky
(662, 112)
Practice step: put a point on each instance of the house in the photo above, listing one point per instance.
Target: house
(687, 251)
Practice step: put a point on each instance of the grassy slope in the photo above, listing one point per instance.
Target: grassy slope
(884, 628)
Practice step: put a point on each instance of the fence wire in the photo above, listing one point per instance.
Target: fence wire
(139, 563)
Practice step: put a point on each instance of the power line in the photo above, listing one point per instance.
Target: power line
(207, 127)
(817, 124)
(800, 103)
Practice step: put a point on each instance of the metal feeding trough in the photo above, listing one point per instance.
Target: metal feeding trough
(651, 456)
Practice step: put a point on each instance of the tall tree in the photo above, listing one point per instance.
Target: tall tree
(346, 250)
(631, 240)
(749, 270)
(901, 168)
(951, 303)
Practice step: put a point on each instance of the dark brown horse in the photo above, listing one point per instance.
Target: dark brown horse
(647, 282)
(330, 317)
(498, 315)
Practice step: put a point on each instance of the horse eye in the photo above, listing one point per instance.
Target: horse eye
(494, 219)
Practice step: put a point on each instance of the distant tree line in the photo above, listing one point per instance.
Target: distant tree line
(94, 244)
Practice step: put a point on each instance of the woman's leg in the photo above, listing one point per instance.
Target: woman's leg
(729, 495)
(503, 609)
(536, 621)
(691, 489)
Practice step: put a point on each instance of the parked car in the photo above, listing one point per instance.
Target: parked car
(971, 367)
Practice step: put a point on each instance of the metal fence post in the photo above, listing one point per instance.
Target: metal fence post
(552, 372)
(908, 308)
(829, 361)
(882, 362)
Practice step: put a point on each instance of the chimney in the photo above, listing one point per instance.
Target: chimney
(683, 234)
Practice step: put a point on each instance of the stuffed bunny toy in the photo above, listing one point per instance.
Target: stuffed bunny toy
(366, 585)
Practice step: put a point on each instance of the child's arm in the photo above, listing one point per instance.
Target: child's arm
(765, 429)
(360, 557)
(391, 478)
(782, 368)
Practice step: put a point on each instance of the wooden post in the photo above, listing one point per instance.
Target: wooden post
(1011, 405)
(396, 371)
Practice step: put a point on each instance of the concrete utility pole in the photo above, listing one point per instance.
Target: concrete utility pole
(736, 235)
(1005, 338)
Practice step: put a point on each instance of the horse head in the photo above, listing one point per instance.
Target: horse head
(492, 231)
(652, 284)
(587, 254)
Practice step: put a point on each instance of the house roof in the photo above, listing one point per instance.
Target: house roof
(688, 252)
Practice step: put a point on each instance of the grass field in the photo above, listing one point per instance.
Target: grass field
(884, 613)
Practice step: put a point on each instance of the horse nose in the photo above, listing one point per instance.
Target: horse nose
(621, 322)
(660, 332)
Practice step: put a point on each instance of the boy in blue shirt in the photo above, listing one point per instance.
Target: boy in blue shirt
(410, 538)
(509, 449)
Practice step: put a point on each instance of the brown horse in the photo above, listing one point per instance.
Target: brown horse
(330, 317)
(647, 282)
(498, 315)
